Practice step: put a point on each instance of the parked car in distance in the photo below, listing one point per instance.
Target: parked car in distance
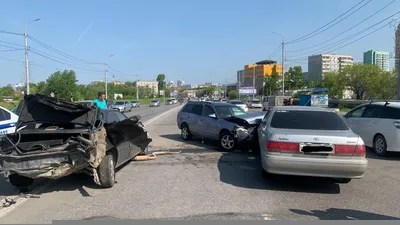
(154, 103)
(378, 124)
(8, 121)
(293, 143)
(240, 104)
(174, 101)
(122, 106)
(169, 102)
(135, 104)
(214, 120)
(254, 103)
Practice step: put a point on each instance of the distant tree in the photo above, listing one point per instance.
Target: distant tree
(336, 84)
(7, 91)
(161, 81)
(233, 94)
(271, 84)
(294, 78)
(63, 84)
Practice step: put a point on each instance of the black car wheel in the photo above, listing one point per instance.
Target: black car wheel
(20, 181)
(227, 141)
(106, 171)
(343, 180)
(380, 145)
(185, 132)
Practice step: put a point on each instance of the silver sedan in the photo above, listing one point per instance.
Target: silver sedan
(310, 141)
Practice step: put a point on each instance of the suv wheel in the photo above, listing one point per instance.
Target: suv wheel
(185, 132)
(380, 145)
(227, 141)
(20, 181)
(106, 171)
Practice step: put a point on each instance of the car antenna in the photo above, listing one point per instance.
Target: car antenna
(386, 103)
(371, 101)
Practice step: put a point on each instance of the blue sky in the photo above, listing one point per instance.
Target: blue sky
(194, 40)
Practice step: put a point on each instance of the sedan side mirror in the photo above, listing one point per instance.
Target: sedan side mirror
(212, 115)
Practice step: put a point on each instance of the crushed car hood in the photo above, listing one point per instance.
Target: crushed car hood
(41, 108)
(247, 119)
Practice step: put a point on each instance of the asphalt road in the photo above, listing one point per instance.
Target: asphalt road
(204, 183)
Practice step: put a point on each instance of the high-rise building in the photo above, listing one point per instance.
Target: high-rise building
(240, 78)
(397, 49)
(323, 63)
(378, 58)
(255, 73)
(179, 83)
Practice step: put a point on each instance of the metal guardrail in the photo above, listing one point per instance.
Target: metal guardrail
(335, 103)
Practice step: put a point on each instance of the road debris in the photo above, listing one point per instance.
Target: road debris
(153, 155)
(8, 202)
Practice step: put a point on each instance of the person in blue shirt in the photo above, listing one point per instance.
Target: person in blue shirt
(100, 101)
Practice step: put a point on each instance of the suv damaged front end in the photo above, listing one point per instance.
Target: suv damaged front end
(55, 138)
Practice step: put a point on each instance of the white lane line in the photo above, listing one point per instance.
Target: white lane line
(267, 217)
(20, 201)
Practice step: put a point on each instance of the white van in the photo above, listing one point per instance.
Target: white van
(8, 121)
(272, 101)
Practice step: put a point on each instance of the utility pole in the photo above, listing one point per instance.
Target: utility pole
(137, 88)
(26, 55)
(226, 87)
(254, 80)
(105, 80)
(283, 68)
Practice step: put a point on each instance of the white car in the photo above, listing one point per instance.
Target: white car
(240, 104)
(8, 121)
(254, 103)
(174, 101)
(378, 124)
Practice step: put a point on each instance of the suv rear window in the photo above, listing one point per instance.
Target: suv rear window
(307, 120)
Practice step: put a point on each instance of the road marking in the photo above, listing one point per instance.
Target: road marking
(152, 120)
(20, 200)
(267, 217)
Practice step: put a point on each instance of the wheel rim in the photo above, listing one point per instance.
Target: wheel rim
(227, 141)
(185, 132)
(379, 145)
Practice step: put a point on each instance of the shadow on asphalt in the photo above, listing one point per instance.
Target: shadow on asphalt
(244, 170)
(343, 214)
(392, 156)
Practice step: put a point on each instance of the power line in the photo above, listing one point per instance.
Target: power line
(77, 71)
(62, 53)
(346, 30)
(12, 48)
(307, 36)
(9, 32)
(276, 51)
(44, 56)
(12, 60)
(347, 38)
(10, 43)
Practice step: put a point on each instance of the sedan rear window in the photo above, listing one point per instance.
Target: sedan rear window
(307, 120)
(237, 102)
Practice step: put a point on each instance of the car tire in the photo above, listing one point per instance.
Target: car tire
(20, 181)
(227, 141)
(343, 180)
(185, 132)
(380, 145)
(106, 171)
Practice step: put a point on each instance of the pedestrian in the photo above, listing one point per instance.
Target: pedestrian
(100, 101)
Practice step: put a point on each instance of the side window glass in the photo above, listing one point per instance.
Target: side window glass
(2, 115)
(390, 113)
(207, 111)
(357, 113)
(197, 109)
(372, 112)
(121, 116)
(266, 117)
(188, 108)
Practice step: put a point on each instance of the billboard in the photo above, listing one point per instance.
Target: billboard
(247, 91)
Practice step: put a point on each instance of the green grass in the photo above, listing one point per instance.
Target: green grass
(147, 101)
(9, 105)
(344, 109)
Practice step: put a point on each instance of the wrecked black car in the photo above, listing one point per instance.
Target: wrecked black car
(55, 138)
(225, 122)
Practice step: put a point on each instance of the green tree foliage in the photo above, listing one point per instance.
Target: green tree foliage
(294, 78)
(271, 84)
(233, 94)
(7, 91)
(63, 84)
(161, 81)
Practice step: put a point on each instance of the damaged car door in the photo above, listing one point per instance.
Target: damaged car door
(209, 123)
(123, 145)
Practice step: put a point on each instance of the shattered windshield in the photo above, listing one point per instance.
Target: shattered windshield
(229, 111)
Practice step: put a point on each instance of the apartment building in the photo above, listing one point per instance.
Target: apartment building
(378, 58)
(397, 49)
(323, 63)
(258, 72)
(240, 78)
(150, 84)
(189, 86)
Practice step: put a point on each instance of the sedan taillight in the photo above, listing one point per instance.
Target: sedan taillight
(283, 147)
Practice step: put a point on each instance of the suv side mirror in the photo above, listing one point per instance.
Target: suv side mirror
(212, 115)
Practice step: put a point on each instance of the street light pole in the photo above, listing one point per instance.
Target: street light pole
(283, 62)
(137, 88)
(254, 79)
(26, 55)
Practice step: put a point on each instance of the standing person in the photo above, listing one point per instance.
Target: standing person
(100, 101)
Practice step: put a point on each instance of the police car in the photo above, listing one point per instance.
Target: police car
(8, 121)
